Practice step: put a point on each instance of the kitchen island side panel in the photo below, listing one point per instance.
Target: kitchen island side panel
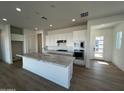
(53, 72)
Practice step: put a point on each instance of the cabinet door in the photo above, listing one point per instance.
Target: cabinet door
(75, 36)
(50, 40)
(69, 38)
(79, 35)
(63, 36)
(47, 40)
(82, 35)
(58, 36)
(54, 40)
(32, 42)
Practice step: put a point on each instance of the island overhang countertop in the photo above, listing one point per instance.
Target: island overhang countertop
(51, 58)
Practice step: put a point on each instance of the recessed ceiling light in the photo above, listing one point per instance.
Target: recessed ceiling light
(18, 9)
(51, 25)
(73, 20)
(44, 18)
(35, 28)
(53, 6)
(4, 19)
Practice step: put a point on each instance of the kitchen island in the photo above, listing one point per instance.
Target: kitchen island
(56, 68)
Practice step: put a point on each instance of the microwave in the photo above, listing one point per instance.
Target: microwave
(78, 45)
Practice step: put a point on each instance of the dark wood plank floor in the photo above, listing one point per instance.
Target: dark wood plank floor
(99, 77)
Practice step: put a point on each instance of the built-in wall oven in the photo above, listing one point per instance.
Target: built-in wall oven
(79, 50)
(79, 54)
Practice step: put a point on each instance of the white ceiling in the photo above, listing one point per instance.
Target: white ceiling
(59, 16)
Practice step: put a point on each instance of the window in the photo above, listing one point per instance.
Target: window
(118, 40)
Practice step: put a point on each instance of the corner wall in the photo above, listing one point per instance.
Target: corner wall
(6, 53)
(29, 41)
(108, 42)
(99, 21)
(118, 54)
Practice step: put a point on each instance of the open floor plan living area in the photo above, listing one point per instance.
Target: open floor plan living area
(61, 46)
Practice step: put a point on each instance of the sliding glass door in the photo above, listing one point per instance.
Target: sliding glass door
(99, 45)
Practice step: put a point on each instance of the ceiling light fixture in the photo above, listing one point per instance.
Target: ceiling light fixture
(73, 20)
(18, 9)
(51, 25)
(4, 19)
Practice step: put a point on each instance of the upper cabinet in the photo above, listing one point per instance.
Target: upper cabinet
(79, 35)
(47, 40)
(16, 34)
(71, 37)
(17, 37)
(51, 40)
(16, 30)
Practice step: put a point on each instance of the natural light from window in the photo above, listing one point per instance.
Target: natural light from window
(103, 63)
(118, 40)
(99, 46)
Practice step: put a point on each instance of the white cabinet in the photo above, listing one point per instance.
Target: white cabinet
(79, 35)
(63, 36)
(51, 40)
(17, 37)
(69, 38)
(47, 40)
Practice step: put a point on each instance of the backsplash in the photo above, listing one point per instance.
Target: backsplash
(69, 48)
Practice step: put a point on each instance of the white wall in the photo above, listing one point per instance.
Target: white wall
(118, 54)
(43, 39)
(29, 41)
(5, 42)
(6, 54)
(67, 30)
(98, 21)
(108, 42)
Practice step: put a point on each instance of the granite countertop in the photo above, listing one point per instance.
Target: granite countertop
(51, 58)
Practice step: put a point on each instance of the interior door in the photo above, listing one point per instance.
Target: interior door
(99, 47)
(39, 38)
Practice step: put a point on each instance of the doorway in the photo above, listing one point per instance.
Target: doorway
(17, 48)
(39, 41)
(99, 46)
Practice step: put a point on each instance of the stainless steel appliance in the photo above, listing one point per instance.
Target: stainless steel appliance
(79, 54)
